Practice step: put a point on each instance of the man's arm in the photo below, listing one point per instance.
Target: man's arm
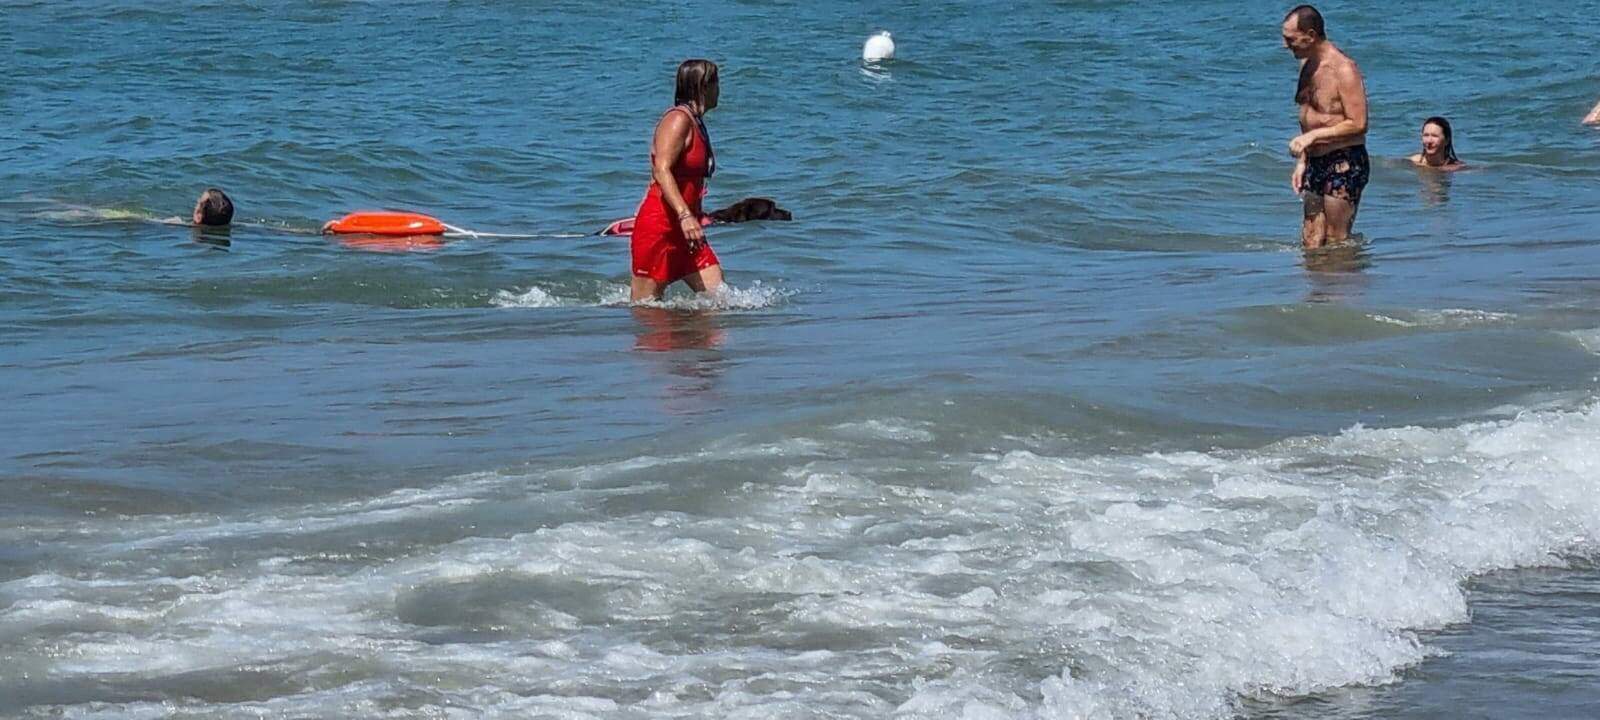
(1594, 116)
(1353, 96)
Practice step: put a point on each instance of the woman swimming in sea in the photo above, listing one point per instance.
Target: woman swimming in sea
(1438, 146)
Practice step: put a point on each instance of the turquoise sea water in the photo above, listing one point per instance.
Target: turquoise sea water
(1036, 410)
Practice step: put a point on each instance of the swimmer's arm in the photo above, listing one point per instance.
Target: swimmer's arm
(1353, 95)
(1594, 116)
(671, 137)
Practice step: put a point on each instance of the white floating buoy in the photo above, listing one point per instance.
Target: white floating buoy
(879, 47)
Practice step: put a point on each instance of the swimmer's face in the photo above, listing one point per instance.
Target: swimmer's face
(198, 215)
(713, 92)
(1432, 138)
(1296, 40)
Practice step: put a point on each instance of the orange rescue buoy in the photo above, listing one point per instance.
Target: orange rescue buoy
(385, 223)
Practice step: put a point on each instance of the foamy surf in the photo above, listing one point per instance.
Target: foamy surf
(825, 580)
(533, 297)
(1589, 339)
(756, 296)
(1447, 318)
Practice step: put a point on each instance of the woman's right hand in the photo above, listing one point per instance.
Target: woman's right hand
(693, 231)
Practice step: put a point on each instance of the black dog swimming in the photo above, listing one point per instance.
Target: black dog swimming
(750, 209)
(745, 210)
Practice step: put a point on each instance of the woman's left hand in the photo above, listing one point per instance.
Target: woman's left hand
(693, 232)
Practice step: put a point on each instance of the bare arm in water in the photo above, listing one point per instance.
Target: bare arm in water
(1594, 116)
(1353, 96)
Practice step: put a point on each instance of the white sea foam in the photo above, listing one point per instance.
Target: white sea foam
(1158, 585)
(533, 297)
(1589, 339)
(1447, 318)
(755, 297)
(894, 429)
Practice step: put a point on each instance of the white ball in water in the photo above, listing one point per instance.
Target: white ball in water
(879, 47)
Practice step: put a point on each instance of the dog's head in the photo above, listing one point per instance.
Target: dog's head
(751, 209)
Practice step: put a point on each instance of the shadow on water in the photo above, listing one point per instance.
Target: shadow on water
(219, 238)
(688, 347)
(1434, 187)
(1336, 272)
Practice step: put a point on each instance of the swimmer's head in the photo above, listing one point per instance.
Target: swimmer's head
(697, 86)
(1438, 139)
(213, 208)
(1302, 30)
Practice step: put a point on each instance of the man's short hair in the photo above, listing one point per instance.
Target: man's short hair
(1307, 19)
(215, 208)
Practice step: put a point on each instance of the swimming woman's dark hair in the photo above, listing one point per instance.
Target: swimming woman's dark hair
(1307, 18)
(215, 207)
(1449, 137)
(695, 78)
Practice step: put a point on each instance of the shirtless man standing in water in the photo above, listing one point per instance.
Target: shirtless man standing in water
(1331, 164)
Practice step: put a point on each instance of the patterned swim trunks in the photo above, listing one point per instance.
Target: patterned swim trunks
(1341, 173)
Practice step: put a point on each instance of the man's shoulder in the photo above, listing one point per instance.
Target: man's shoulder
(1343, 63)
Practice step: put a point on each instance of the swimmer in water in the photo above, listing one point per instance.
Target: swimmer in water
(1438, 147)
(1594, 116)
(213, 209)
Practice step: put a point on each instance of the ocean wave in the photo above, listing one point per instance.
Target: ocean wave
(1015, 584)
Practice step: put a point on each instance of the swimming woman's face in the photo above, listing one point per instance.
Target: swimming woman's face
(1432, 139)
(713, 92)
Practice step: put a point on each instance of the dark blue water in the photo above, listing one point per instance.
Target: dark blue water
(1036, 409)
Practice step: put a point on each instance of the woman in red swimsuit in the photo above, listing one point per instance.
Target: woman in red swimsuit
(669, 243)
